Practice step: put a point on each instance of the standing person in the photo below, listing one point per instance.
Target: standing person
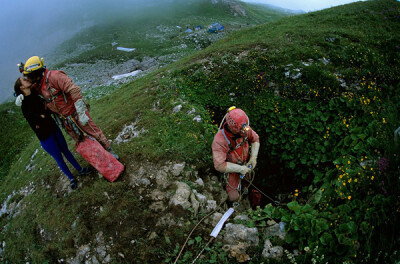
(64, 98)
(230, 149)
(45, 128)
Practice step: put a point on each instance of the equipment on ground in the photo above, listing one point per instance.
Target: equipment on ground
(104, 162)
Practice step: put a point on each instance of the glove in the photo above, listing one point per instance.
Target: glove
(18, 101)
(241, 169)
(81, 110)
(255, 146)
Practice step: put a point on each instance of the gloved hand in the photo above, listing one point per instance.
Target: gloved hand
(81, 110)
(241, 169)
(18, 101)
(255, 146)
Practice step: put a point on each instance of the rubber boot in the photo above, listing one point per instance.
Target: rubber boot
(73, 184)
(84, 171)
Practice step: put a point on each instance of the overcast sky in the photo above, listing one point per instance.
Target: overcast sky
(304, 5)
(29, 27)
(36, 27)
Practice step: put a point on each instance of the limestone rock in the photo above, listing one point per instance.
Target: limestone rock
(272, 252)
(181, 196)
(238, 252)
(275, 230)
(236, 233)
(195, 204)
(177, 169)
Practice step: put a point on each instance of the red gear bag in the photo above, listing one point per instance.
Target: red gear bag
(99, 158)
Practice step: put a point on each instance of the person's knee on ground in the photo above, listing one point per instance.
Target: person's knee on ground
(233, 196)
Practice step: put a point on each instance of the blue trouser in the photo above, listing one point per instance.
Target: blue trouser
(55, 145)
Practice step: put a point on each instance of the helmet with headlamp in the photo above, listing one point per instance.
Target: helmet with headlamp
(34, 63)
(237, 121)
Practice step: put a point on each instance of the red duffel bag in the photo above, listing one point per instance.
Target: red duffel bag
(99, 158)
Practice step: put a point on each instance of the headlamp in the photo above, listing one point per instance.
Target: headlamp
(245, 128)
(20, 67)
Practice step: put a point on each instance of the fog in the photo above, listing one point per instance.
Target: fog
(305, 5)
(29, 28)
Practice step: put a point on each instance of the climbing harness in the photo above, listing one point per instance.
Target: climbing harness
(53, 96)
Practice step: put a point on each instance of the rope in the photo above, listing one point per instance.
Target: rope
(201, 252)
(250, 181)
(255, 187)
(187, 239)
(239, 189)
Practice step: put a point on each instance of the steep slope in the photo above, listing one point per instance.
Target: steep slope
(322, 91)
(155, 30)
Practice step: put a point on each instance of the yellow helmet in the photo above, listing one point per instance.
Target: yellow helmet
(33, 64)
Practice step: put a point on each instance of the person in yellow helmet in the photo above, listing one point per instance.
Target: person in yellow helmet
(64, 98)
(50, 136)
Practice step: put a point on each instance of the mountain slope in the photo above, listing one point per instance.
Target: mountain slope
(321, 89)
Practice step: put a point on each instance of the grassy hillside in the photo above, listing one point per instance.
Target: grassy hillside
(152, 31)
(159, 30)
(321, 90)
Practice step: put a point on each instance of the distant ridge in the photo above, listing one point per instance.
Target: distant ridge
(277, 8)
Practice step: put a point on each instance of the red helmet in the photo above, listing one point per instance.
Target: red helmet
(237, 120)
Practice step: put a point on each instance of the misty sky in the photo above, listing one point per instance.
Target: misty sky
(29, 28)
(304, 5)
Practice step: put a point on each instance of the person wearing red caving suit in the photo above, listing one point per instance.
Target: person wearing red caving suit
(64, 98)
(230, 149)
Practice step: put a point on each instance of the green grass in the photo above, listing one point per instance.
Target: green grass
(313, 131)
(16, 134)
(154, 32)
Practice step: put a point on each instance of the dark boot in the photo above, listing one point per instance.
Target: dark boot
(73, 184)
(84, 171)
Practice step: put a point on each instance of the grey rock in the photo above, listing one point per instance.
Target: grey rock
(241, 218)
(236, 233)
(275, 230)
(181, 196)
(211, 205)
(197, 119)
(162, 180)
(177, 109)
(200, 182)
(157, 206)
(270, 251)
(215, 218)
(82, 253)
(195, 204)
(177, 169)
(200, 197)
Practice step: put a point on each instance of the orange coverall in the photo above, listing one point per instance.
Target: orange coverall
(60, 94)
(222, 154)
